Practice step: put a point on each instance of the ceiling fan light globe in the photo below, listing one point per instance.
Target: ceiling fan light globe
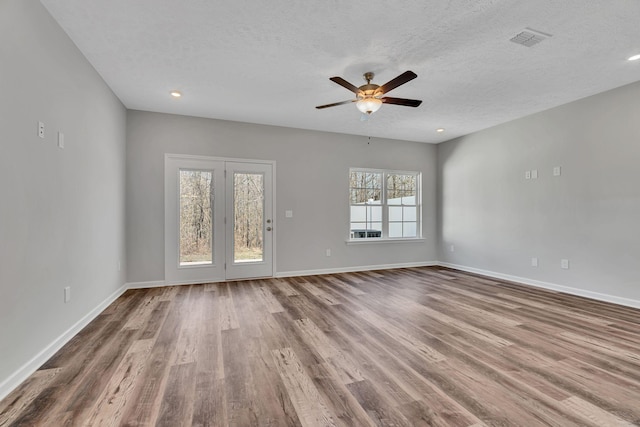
(369, 105)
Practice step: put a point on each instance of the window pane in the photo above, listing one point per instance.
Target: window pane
(375, 213)
(248, 213)
(409, 214)
(374, 194)
(364, 187)
(395, 229)
(353, 196)
(358, 213)
(409, 229)
(409, 183)
(360, 195)
(373, 180)
(394, 200)
(394, 182)
(395, 213)
(356, 179)
(196, 231)
(409, 200)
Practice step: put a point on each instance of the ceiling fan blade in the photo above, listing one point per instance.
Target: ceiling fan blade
(400, 80)
(319, 107)
(402, 101)
(342, 82)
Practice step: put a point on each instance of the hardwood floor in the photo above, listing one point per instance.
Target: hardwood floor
(407, 347)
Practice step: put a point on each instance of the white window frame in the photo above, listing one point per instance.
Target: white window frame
(385, 207)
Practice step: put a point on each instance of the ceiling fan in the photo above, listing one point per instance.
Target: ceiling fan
(369, 97)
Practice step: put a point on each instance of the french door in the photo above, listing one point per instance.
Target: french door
(218, 219)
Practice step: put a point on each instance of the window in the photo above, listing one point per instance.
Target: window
(384, 204)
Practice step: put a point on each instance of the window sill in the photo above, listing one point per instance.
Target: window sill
(381, 240)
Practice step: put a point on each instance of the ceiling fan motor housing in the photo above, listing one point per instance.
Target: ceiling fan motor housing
(368, 90)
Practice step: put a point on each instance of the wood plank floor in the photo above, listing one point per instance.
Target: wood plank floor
(406, 347)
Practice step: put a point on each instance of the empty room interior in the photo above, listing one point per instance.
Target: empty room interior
(242, 213)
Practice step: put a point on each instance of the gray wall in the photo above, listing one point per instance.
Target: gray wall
(312, 178)
(61, 210)
(497, 220)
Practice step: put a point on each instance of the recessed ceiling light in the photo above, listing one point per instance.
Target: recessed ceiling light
(440, 130)
(175, 94)
(633, 58)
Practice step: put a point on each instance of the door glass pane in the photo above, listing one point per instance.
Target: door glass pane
(248, 211)
(196, 231)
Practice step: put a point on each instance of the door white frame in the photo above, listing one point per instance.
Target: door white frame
(195, 274)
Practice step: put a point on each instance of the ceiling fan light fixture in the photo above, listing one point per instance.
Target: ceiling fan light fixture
(175, 93)
(369, 105)
(633, 58)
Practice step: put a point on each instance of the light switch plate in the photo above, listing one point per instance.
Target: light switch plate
(60, 140)
(288, 214)
(557, 171)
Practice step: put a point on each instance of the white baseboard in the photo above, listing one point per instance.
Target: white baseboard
(354, 269)
(163, 283)
(9, 384)
(546, 285)
(145, 285)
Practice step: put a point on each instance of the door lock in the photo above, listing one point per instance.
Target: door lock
(268, 228)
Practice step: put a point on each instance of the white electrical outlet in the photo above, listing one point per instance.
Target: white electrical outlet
(60, 140)
(41, 130)
(288, 214)
(328, 252)
(534, 262)
(67, 294)
(557, 171)
(527, 175)
(564, 264)
(452, 248)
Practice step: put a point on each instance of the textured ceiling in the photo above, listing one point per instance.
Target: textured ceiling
(269, 62)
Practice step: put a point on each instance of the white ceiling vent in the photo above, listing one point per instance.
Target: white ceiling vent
(528, 37)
